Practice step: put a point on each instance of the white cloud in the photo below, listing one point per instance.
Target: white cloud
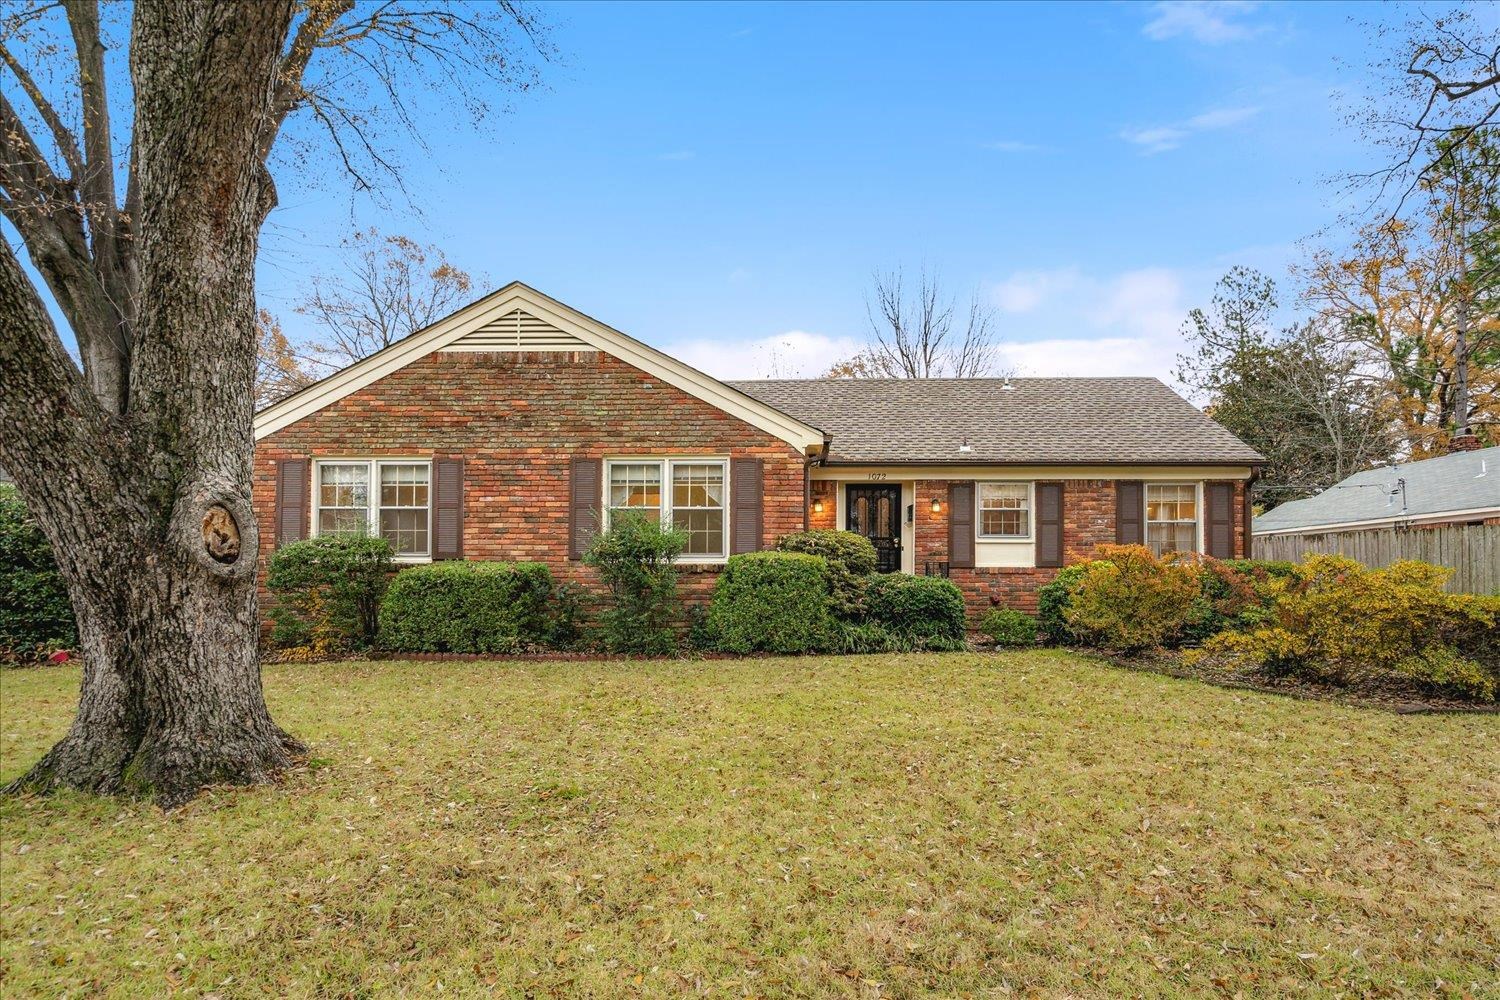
(1060, 321)
(794, 354)
(1221, 118)
(1100, 356)
(1023, 291)
(1082, 324)
(1160, 138)
(1210, 23)
(1155, 140)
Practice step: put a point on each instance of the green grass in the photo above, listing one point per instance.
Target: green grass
(876, 826)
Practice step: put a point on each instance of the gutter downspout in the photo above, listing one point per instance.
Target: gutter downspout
(807, 464)
(1249, 512)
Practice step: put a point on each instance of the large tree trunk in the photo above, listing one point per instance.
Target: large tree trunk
(148, 510)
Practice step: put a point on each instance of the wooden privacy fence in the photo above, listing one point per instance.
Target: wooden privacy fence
(1472, 551)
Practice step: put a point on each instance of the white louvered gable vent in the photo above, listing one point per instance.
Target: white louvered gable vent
(518, 330)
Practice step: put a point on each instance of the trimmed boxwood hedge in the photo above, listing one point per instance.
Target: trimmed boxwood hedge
(1009, 627)
(466, 607)
(928, 610)
(851, 561)
(771, 602)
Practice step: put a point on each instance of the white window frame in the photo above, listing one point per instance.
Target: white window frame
(1030, 510)
(372, 513)
(666, 464)
(1146, 521)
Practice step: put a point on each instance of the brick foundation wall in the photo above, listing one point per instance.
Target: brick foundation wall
(517, 419)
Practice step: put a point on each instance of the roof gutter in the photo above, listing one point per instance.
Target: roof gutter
(948, 463)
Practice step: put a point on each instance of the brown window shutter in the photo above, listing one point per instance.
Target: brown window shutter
(447, 508)
(960, 525)
(291, 500)
(746, 504)
(585, 496)
(1130, 512)
(1049, 524)
(1219, 526)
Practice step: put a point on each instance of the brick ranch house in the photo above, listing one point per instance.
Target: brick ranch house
(514, 428)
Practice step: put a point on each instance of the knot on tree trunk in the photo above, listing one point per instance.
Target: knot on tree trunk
(214, 526)
(221, 536)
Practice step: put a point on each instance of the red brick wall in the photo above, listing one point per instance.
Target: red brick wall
(516, 420)
(1088, 522)
(823, 491)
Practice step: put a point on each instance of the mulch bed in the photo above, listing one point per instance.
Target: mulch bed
(1391, 694)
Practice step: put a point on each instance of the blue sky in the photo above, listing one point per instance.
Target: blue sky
(720, 181)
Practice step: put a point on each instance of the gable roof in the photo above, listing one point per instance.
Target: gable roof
(1467, 482)
(1037, 421)
(518, 317)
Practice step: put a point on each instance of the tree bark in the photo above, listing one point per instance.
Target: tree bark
(148, 510)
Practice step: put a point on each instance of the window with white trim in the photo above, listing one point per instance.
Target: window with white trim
(1005, 510)
(398, 510)
(689, 494)
(1172, 517)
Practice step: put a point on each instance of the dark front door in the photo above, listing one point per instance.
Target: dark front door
(875, 512)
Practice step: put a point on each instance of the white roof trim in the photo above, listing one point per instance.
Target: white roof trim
(1471, 514)
(444, 332)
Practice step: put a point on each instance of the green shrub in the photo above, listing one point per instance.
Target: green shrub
(1009, 627)
(635, 559)
(928, 610)
(1130, 600)
(328, 591)
(772, 602)
(36, 615)
(850, 559)
(1275, 568)
(1052, 603)
(867, 637)
(466, 607)
(566, 619)
(1446, 669)
(1343, 622)
(1232, 594)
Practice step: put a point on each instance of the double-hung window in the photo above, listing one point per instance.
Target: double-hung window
(391, 499)
(688, 494)
(1005, 510)
(1172, 517)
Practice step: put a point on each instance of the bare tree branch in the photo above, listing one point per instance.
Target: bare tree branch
(913, 334)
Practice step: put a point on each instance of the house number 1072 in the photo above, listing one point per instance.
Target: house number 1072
(878, 475)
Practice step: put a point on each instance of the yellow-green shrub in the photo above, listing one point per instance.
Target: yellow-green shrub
(1129, 600)
(1341, 621)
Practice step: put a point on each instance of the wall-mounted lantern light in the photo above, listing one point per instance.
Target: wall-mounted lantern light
(937, 506)
(817, 506)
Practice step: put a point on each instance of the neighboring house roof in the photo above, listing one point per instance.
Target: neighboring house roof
(1461, 486)
(520, 318)
(1075, 421)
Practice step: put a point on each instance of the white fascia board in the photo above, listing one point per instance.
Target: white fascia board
(803, 437)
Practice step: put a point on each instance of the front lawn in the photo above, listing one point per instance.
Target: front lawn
(874, 826)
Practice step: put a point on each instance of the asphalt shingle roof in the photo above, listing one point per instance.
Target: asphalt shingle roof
(1461, 481)
(1035, 420)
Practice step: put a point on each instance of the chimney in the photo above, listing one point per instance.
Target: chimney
(1463, 442)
